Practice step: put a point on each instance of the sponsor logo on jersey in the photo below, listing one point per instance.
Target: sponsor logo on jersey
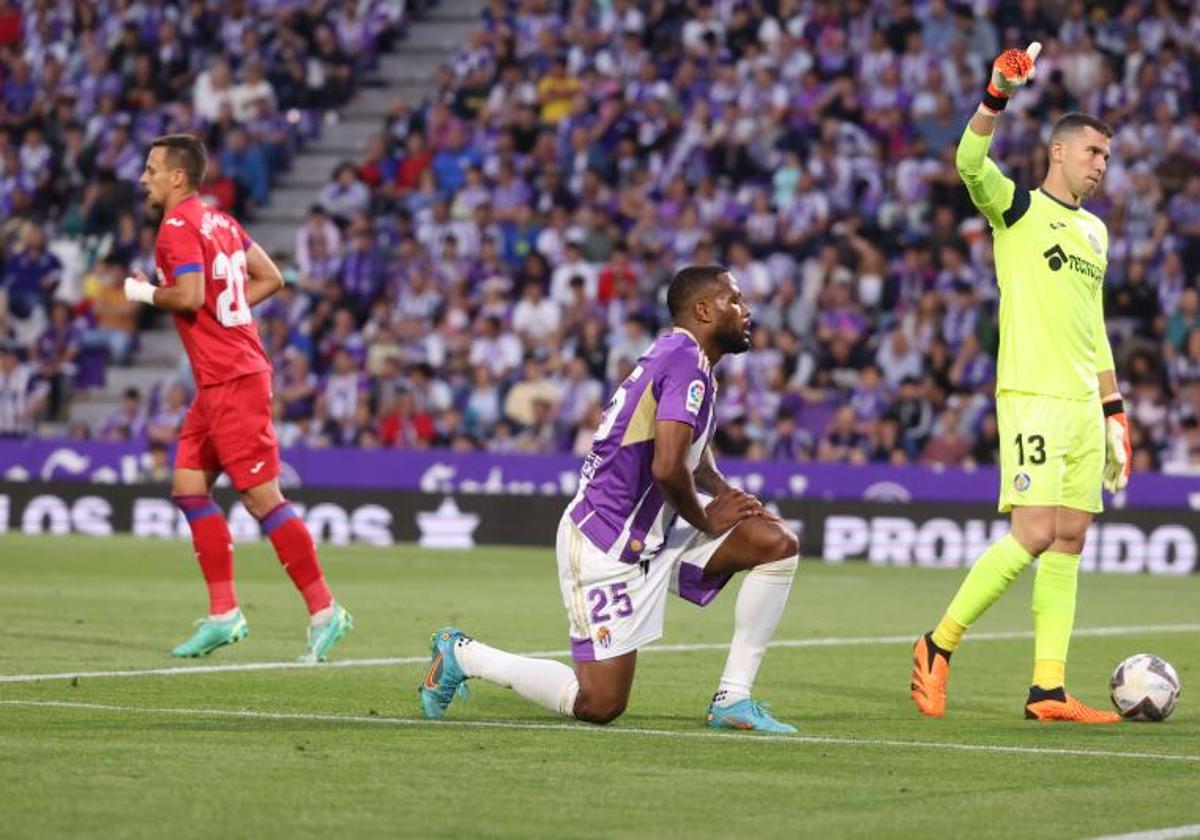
(1022, 482)
(257, 467)
(1056, 258)
(176, 222)
(695, 396)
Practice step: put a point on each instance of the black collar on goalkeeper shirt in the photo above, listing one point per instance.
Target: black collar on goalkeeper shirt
(1058, 201)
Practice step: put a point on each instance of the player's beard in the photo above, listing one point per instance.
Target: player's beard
(733, 338)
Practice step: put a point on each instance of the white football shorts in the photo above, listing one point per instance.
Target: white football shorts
(615, 607)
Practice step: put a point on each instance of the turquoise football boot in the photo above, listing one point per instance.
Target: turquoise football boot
(747, 716)
(212, 634)
(445, 679)
(323, 636)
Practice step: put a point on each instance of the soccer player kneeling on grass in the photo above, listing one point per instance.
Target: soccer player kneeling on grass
(621, 547)
(1063, 432)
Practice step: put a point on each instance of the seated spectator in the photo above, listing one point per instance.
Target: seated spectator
(948, 445)
(842, 442)
(165, 424)
(116, 317)
(345, 195)
(55, 355)
(30, 275)
(23, 396)
(127, 421)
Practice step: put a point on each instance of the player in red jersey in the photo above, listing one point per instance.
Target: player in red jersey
(210, 274)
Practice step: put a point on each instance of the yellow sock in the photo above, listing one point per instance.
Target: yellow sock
(1049, 673)
(948, 633)
(1053, 616)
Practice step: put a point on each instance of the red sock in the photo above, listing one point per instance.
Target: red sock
(214, 550)
(296, 551)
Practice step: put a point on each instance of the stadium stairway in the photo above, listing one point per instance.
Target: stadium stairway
(408, 72)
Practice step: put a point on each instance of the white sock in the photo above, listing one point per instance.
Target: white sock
(225, 616)
(760, 604)
(321, 616)
(550, 684)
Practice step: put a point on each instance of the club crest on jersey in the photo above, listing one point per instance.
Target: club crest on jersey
(603, 637)
(695, 396)
(1094, 241)
(1021, 482)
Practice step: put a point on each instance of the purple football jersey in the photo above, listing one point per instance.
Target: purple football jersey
(619, 504)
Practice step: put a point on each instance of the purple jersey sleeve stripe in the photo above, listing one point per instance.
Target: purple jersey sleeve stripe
(281, 514)
(651, 506)
(186, 268)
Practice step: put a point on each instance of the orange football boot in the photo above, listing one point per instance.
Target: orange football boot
(1057, 705)
(930, 673)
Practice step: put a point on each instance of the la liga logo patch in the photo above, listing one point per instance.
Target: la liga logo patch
(695, 396)
(1021, 482)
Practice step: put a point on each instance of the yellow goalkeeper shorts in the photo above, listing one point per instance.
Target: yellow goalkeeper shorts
(1051, 451)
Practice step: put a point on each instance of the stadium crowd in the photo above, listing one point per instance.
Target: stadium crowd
(496, 262)
(85, 86)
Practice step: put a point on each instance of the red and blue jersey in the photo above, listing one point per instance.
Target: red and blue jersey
(220, 338)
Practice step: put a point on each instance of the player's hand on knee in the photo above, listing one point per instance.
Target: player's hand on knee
(728, 508)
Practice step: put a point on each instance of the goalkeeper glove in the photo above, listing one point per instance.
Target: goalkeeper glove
(1010, 71)
(1118, 451)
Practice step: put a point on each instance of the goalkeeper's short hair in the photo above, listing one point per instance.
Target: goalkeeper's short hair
(1076, 121)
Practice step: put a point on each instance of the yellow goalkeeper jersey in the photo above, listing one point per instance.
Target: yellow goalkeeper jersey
(1050, 264)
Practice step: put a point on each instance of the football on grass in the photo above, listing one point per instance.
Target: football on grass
(1144, 687)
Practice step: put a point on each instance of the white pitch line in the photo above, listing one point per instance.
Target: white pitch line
(611, 731)
(1157, 834)
(833, 641)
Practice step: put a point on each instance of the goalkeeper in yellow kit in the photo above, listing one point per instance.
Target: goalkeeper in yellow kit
(1063, 431)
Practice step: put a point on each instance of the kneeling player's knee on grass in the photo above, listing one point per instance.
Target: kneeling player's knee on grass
(599, 710)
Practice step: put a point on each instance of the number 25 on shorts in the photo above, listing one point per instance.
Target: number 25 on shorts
(1031, 446)
(616, 597)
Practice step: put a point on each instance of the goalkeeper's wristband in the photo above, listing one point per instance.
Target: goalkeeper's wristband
(993, 99)
(1113, 406)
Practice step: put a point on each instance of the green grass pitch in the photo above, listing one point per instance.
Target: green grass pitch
(307, 751)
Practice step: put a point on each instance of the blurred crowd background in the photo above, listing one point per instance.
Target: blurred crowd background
(496, 260)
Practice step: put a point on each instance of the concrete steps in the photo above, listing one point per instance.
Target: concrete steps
(407, 73)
